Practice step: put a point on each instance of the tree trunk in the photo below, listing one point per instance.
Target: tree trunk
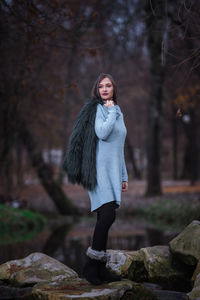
(175, 143)
(157, 25)
(130, 148)
(190, 164)
(45, 172)
(56, 239)
(19, 164)
(7, 140)
(68, 99)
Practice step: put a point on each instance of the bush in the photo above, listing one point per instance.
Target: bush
(19, 224)
(171, 214)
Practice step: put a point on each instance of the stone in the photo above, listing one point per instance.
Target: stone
(165, 294)
(81, 289)
(196, 271)
(170, 295)
(128, 264)
(186, 246)
(195, 293)
(158, 263)
(36, 267)
(119, 262)
(153, 264)
(9, 292)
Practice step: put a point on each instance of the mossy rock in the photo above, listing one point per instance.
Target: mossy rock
(195, 293)
(186, 246)
(128, 264)
(81, 289)
(36, 267)
(160, 269)
(196, 271)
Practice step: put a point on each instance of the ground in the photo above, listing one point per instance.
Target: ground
(37, 199)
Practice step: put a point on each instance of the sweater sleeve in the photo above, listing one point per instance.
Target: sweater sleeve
(104, 126)
(124, 171)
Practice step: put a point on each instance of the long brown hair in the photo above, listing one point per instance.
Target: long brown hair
(95, 88)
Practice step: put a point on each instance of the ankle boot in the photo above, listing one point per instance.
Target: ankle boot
(91, 271)
(106, 275)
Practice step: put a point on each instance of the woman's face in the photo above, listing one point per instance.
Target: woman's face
(106, 89)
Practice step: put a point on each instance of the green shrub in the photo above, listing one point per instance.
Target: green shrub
(19, 224)
(171, 214)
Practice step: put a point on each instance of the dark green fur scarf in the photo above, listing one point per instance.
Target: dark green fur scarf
(80, 158)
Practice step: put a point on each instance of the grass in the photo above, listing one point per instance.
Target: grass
(19, 224)
(168, 214)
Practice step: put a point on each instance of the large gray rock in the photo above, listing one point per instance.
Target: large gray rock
(153, 264)
(128, 264)
(119, 262)
(196, 271)
(37, 267)
(158, 263)
(81, 289)
(195, 293)
(165, 294)
(186, 246)
(51, 280)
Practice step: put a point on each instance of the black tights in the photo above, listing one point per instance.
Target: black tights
(105, 218)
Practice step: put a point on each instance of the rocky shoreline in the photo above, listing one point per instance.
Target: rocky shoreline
(160, 272)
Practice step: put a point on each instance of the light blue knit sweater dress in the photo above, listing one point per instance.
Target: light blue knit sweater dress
(110, 163)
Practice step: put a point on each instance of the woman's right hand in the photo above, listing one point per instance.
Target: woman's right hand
(108, 103)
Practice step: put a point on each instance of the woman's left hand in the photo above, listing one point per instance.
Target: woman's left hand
(124, 186)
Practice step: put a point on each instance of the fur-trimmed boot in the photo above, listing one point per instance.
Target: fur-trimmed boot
(95, 270)
(106, 275)
(92, 266)
(91, 271)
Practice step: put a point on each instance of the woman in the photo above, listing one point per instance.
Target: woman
(100, 125)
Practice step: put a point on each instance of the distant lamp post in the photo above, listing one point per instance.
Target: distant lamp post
(186, 119)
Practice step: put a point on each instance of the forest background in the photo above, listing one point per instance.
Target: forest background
(50, 54)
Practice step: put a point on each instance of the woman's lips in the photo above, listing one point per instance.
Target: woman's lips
(105, 94)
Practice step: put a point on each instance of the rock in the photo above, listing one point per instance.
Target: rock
(9, 292)
(196, 271)
(137, 271)
(128, 264)
(37, 267)
(186, 246)
(158, 263)
(165, 294)
(153, 264)
(195, 293)
(50, 279)
(81, 289)
(170, 295)
(119, 262)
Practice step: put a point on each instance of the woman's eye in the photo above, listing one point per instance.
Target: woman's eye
(108, 86)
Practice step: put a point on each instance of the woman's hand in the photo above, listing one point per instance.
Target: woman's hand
(108, 103)
(124, 186)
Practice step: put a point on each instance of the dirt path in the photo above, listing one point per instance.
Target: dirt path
(37, 199)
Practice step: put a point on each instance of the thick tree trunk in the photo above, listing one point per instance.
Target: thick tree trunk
(56, 239)
(157, 37)
(19, 154)
(130, 148)
(175, 143)
(7, 140)
(190, 163)
(45, 172)
(69, 97)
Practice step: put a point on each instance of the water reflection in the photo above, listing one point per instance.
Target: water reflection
(68, 242)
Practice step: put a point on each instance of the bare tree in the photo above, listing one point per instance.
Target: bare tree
(157, 24)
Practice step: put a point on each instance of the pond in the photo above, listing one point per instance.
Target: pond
(67, 241)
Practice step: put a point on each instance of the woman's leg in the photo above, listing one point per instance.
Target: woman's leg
(105, 218)
(95, 270)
